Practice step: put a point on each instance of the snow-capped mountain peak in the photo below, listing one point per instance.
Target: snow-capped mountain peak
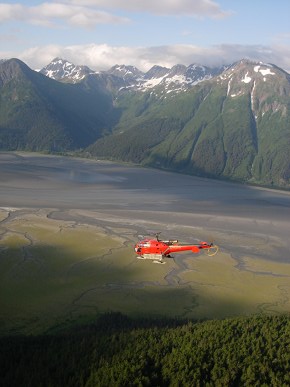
(125, 72)
(60, 69)
(175, 79)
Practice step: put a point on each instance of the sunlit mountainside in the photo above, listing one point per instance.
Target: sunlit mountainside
(230, 122)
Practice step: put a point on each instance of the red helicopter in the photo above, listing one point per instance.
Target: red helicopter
(157, 249)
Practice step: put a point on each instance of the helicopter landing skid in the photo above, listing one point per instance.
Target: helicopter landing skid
(157, 258)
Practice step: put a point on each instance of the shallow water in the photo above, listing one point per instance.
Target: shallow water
(228, 211)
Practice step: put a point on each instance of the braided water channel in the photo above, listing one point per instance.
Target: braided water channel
(250, 225)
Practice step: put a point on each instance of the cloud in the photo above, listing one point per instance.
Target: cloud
(11, 12)
(103, 56)
(51, 14)
(89, 13)
(197, 8)
(276, 54)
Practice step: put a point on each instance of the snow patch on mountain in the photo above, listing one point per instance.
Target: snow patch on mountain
(264, 72)
(246, 78)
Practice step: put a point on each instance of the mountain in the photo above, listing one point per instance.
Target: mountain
(235, 126)
(38, 113)
(231, 122)
(179, 77)
(60, 69)
(128, 73)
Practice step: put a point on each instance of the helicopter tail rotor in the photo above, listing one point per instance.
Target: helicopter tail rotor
(212, 250)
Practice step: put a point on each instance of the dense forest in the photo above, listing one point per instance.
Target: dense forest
(118, 351)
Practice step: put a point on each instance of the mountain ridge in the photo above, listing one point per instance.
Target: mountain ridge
(62, 70)
(232, 125)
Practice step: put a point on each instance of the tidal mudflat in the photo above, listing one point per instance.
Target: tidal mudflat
(68, 228)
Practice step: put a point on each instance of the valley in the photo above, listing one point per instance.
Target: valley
(230, 123)
(68, 227)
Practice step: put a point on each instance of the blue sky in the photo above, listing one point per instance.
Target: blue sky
(102, 33)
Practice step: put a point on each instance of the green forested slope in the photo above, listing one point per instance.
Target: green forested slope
(117, 351)
(38, 113)
(236, 127)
